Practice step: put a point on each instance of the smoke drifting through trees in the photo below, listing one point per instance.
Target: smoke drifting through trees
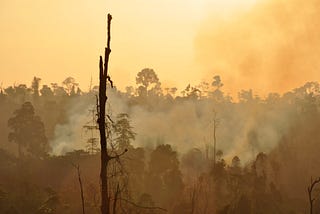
(245, 128)
(274, 46)
(170, 141)
(191, 151)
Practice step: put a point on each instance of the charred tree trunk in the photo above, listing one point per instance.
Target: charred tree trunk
(105, 200)
(116, 195)
(77, 167)
(214, 143)
(215, 126)
(81, 191)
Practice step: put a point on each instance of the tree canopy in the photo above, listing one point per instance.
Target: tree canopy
(28, 132)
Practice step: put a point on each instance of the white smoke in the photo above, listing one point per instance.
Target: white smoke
(183, 124)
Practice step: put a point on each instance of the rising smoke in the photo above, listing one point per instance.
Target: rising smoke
(274, 46)
(185, 124)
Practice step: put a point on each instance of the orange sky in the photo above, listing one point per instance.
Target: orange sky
(57, 39)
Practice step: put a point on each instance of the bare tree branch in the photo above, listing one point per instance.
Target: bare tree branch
(108, 116)
(77, 167)
(310, 188)
(110, 81)
(118, 155)
(142, 207)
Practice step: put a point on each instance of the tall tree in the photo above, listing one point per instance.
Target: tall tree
(101, 109)
(216, 122)
(46, 92)
(217, 94)
(148, 82)
(35, 87)
(70, 85)
(27, 131)
(164, 173)
(105, 201)
(124, 131)
(91, 127)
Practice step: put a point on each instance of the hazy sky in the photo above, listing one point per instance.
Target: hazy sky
(266, 45)
(57, 39)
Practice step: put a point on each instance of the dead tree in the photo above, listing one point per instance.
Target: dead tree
(215, 126)
(114, 209)
(105, 201)
(106, 156)
(312, 185)
(77, 167)
(101, 111)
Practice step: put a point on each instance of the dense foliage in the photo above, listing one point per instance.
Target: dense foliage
(268, 148)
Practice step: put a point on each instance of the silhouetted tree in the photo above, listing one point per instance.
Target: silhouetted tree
(165, 174)
(148, 83)
(105, 200)
(58, 91)
(46, 91)
(191, 92)
(101, 109)
(217, 94)
(18, 93)
(27, 131)
(35, 87)
(91, 127)
(70, 85)
(124, 131)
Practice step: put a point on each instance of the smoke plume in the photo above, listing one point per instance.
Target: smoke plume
(275, 46)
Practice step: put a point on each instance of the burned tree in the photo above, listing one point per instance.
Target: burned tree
(216, 122)
(105, 201)
(101, 111)
(77, 167)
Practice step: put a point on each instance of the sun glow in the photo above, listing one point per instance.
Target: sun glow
(228, 7)
(70, 38)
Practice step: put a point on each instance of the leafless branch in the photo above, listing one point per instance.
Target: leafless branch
(118, 155)
(110, 81)
(109, 118)
(310, 188)
(77, 167)
(142, 207)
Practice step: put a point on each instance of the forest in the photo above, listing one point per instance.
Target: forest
(149, 146)
(192, 151)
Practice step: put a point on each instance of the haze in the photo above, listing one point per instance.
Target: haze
(55, 39)
(216, 107)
